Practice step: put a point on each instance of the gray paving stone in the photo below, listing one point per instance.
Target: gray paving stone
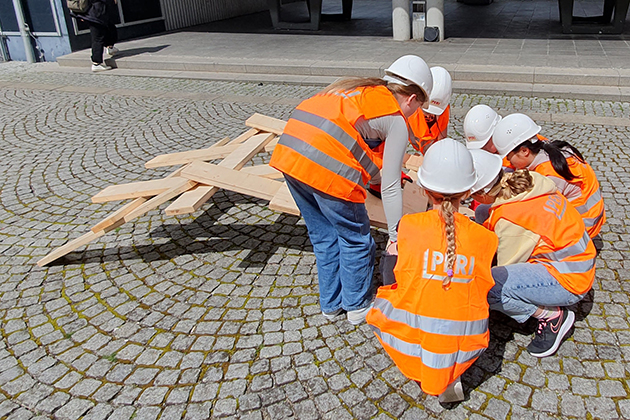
(222, 305)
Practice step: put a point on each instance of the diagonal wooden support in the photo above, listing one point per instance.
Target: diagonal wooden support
(160, 199)
(135, 190)
(117, 218)
(191, 201)
(264, 171)
(206, 173)
(265, 123)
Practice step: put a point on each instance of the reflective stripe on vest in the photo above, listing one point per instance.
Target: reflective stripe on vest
(592, 201)
(566, 267)
(338, 134)
(321, 158)
(431, 325)
(429, 359)
(592, 221)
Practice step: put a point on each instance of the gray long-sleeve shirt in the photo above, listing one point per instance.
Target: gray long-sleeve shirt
(394, 131)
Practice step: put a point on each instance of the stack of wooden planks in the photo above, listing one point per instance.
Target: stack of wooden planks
(196, 181)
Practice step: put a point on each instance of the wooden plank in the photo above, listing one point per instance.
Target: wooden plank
(272, 145)
(135, 190)
(69, 247)
(245, 136)
(222, 142)
(191, 201)
(184, 185)
(264, 171)
(230, 179)
(414, 201)
(283, 201)
(413, 162)
(180, 158)
(118, 214)
(265, 123)
(247, 150)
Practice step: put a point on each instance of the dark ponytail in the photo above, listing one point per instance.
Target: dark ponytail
(556, 150)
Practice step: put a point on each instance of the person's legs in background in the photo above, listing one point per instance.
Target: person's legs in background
(98, 34)
(111, 38)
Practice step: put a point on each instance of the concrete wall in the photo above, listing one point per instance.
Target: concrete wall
(183, 13)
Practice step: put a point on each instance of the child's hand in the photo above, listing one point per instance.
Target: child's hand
(392, 248)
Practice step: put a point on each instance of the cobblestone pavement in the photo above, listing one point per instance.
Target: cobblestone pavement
(215, 314)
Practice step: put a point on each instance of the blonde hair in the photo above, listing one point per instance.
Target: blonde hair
(512, 184)
(345, 85)
(447, 212)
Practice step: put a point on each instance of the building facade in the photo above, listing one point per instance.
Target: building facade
(53, 32)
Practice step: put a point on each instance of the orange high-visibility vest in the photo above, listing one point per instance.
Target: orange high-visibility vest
(564, 248)
(433, 335)
(427, 136)
(590, 203)
(321, 147)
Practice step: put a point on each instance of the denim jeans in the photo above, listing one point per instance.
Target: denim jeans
(521, 288)
(340, 234)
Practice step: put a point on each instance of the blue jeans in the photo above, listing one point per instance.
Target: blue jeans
(521, 288)
(340, 234)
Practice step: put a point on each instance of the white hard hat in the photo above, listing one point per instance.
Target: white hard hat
(488, 167)
(441, 92)
(479, 125)
(447, 168)
(512, 131)
(410, 69)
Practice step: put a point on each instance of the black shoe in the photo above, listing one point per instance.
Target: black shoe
(550, 333)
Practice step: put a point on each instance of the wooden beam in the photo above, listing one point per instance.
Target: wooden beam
(247, 150)
(230, 179)
(135, 190)
(179, 158)
(264, 171)
(414, 201)
(245, 136)
(283, 201)
(272, 145)
(191, 201)
(118, 214)
(412, 162)
(182, 186)
(69, 247)
(265, 123)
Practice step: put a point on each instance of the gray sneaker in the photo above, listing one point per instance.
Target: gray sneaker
(454, 392)
(357, 317)
(332, 315)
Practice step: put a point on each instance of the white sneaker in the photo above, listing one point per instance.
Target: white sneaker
(454, 392)
(112, 51)
(100, 67)
(332, 315)
(358, 316)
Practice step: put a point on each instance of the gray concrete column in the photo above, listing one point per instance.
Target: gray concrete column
(401, 19)
(435, 15)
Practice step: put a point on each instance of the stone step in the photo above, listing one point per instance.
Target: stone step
(577, 83)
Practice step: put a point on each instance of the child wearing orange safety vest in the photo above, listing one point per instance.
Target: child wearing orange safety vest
(516, 138)
(431, 125)
(546, 260)
(433, 322)
(333, 145)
